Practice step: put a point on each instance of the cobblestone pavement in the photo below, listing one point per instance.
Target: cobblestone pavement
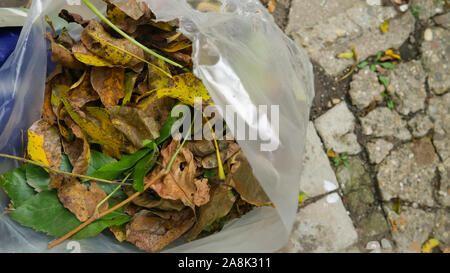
(389, 191)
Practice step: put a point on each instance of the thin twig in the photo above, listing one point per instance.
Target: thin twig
(96, 217)
(143, 47)
(110, 195)
(59, 171)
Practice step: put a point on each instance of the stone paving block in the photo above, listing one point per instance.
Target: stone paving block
(336, 129)
(411, 228)
(407, 86)
(318, 177)
(439, 111)
(436, 60)
(323, 226)
(428, 8)
(408, 173)
(378, 149)
(383, 122)
(327, 28)
(365, 88)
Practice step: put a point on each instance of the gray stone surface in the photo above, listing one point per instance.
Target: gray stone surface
(411, 228)
(439, 111)
(327, 28)
(420, 125)
(383, 122)
(408, 173)
(318, 177)
(407, 86)
(443, 20)
(428, 8)
(336, 129)
(356, 185)
(322, 227)
(378, 149)
(374, 225)
(365, 88)
(435, 58)
(441, 230)
(444, 183)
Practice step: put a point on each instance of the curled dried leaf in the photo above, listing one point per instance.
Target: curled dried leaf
(62, 55)
(149, 201)
(210, 161)
(152, 231)
(78, 150)
(82, 92)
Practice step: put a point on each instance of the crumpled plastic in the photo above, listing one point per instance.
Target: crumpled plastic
(243, 59)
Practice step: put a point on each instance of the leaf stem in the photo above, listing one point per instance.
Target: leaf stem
(146, 49)
(219, 159)
(95, 217)
(110, 195)
(61, 172)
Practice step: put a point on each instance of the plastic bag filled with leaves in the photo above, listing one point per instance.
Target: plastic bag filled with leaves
(89, 102)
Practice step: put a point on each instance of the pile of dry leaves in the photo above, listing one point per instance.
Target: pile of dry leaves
(103, 144)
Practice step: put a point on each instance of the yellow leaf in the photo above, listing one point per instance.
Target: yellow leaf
(158, 75)
(332, 154)
(345, 55)
(429, 245)
(272, 5)
(186, 88)
(44, 144)
(162, 25)
(91, 60)
(385, 26)
(35, 148)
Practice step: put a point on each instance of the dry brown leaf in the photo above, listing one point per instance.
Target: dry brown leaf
(109, 84)
(241, 178)
(62, 55)
(134, 123)
(80, 200)
(210, 162)
(82, 92)
(72, 17)
(149, 201)
(78, 150)
(152, 231)
(222, 200)
(180, 184)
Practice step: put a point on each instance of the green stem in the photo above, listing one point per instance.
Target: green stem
(59, 171)
(111, 194)
(143, 47)
(179, 148)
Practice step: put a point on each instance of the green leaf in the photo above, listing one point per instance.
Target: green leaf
(113, 170)
(390, 104)
(15, 185)
(384, 95)
(361, 65)
(209, 173)
(373, 67)
(346, 163)
(337, 161)
(387, 65)
(166, 130)
(344, 156)
(143, 167)
(65, 164)
(384, 81)
(98, 160)
(378, 56)
(37, 177)
(43, 212)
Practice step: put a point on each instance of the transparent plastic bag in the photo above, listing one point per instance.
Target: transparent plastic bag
(244, 60)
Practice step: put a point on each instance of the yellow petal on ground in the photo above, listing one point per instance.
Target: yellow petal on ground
(345, 55)
(429, 245)
(391, 53)
(384, 27)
